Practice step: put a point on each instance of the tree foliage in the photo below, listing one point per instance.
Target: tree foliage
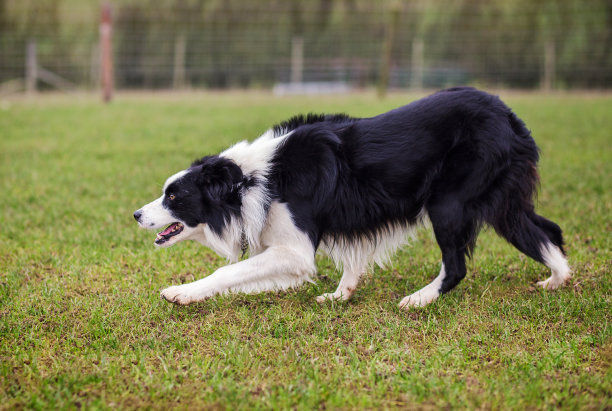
(244, 43)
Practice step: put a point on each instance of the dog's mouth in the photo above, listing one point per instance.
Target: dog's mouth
(170, 231)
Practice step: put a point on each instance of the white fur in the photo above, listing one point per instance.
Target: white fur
(556, 261)
(254, 159)
(155, 215)
(425, 295)
(364, 252)
(288, 261)
(356, 256)
(268, 135)
(173, 178)
(226, 245)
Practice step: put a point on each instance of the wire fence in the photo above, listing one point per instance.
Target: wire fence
(248, 43)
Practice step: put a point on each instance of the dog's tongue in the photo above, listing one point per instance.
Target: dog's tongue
(168, 230)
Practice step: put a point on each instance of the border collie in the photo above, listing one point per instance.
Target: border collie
(355, 188)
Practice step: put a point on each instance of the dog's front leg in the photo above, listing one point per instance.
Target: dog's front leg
(277, 268)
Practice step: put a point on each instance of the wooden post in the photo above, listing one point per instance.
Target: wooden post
(178, 74)
(31, 73)
(387, 50)
(548, 80)
(106, 53)
(416, 65)
(297, 59)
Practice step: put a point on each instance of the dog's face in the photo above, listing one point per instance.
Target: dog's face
(208, 193)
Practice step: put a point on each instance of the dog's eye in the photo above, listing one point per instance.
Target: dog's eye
(171, 197)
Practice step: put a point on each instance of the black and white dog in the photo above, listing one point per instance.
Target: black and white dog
(355, 188)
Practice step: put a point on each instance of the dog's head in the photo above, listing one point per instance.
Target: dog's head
(207, 193)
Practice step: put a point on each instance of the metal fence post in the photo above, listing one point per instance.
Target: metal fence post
(31, 72)
(297, 59)
(387, 50)
(106, 53)
(417, 62)
(180, 50)
(548, 80)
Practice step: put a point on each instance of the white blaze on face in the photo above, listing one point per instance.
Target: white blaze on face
(155, 215)
(173, 178)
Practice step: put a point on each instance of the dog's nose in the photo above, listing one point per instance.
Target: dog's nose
(137, 215)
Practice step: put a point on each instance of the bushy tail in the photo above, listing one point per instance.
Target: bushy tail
(528, 232)
(552, 230)
(513, 216)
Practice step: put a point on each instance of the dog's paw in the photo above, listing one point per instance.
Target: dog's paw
(325, 297)
(178, 294)
(417, 300)
(410, 301)
(332, 297)
(552, 283)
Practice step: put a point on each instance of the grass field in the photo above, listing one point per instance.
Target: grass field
(82, 324)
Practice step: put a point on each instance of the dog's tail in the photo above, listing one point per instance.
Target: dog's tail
(513, 216)
(552, 230)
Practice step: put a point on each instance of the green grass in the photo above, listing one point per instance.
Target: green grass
(82, 324)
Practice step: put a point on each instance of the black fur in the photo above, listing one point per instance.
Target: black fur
(460, 154)
(310, 118)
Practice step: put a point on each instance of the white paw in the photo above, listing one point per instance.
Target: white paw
(326, 297)
(178, 294)
(419, 299)
(332, 297)
(552, 282)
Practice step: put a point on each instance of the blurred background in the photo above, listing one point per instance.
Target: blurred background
(307, 46)
(81, 321)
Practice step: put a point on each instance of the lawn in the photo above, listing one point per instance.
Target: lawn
(82, 324)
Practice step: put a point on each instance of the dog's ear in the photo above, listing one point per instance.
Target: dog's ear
(220, 177)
